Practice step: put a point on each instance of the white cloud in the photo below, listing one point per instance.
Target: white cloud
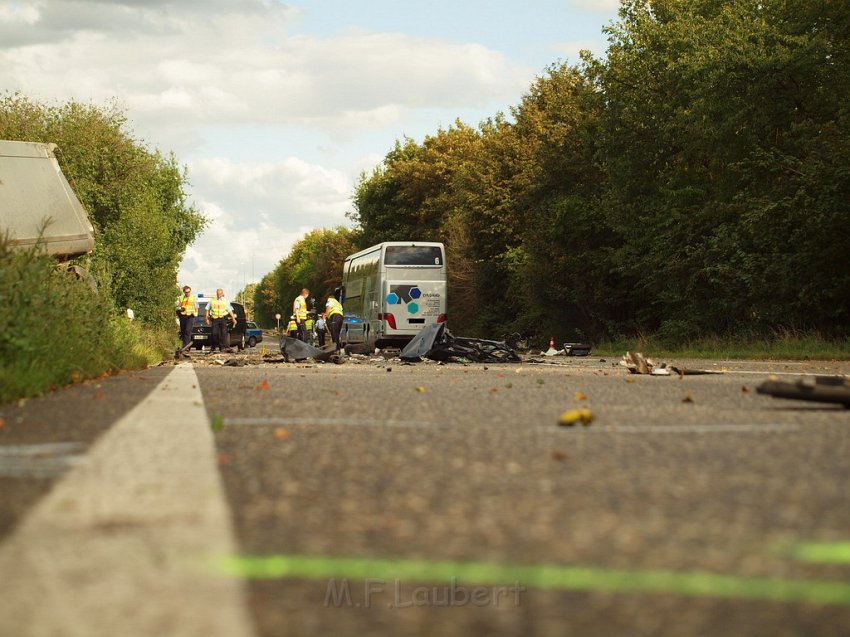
(258, 211)
(229, 256)
(291, 190)
(572, 49)
(237, 64)
(599, 6)
(19, 13)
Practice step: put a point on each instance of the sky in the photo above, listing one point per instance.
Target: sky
(276, 108)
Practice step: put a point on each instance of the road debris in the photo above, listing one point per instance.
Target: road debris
(436, 342)
(574, 417)
(637, 363)
(294, 350)
(825, 389)
(577, 349)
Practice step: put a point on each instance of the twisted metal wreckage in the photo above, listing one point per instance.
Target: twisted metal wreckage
(434, 342)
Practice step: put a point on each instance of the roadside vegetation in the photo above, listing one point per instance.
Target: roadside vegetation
(315, 262)
(57, 329)
(690, 186)
(779, 346)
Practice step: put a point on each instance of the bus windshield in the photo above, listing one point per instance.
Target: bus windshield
(413, 255)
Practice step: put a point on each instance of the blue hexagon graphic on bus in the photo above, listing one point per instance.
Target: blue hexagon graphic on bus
(413, 308)
(403, 294)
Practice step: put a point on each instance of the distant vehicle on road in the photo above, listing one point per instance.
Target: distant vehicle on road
(390, 292)
(253, 333)
(202, 333)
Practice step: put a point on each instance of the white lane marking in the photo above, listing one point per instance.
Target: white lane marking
(44, 449)
(684, 429)
(115, 547)
(609, 429)
(771, 373)
(48, 460)
(329, 422)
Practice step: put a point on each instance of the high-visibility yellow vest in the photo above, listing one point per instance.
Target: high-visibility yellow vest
(219, 307)
(309, 324)
(187, 305)
(292, 326)
(299, 308)
(333, 307)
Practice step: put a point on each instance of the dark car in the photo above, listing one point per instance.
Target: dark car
(202, 333)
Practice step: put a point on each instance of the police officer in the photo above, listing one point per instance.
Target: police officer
(308, 326)
(333, 311)
(187, 310)
(218, 312)
(299, 311)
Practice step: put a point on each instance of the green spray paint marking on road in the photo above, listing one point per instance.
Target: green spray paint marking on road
(823, 552)
(573, 578)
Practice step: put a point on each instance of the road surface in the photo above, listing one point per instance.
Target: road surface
(375, 497)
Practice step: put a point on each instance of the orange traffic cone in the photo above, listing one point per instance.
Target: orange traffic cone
(551, 351)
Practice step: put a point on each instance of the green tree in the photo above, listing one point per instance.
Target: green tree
(314, 262)
(135, 198)
(721, 142)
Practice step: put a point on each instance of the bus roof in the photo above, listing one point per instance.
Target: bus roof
(394, 243)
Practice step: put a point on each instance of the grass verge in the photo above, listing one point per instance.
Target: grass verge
(786, 345)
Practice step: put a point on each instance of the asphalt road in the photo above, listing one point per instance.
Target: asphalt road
(379, 498)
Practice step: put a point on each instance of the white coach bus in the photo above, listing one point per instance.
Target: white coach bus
(390, 292)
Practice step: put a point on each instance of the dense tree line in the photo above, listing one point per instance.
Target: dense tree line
(315, 262)
(694, 181)
(134, 197)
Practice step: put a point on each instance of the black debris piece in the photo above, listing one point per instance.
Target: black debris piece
(295, 350)
(437, 343)
(577, 349)
(824, 389)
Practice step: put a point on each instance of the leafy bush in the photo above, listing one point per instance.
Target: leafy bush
(133, 196)
(57, 330)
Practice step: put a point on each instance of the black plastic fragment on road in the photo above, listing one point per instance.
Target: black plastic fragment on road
(295, 350)
(824, 389)
(437, 343)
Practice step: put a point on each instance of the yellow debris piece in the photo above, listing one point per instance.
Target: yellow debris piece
(576, 416)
